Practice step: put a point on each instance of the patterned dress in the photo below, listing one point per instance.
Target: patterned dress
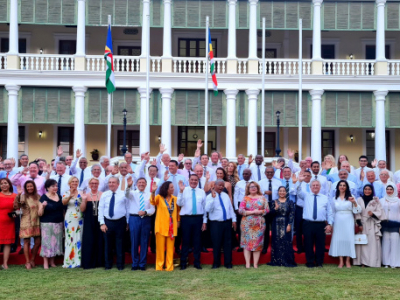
(30, 222)
(282, 253)
(253, 226)
(73, 225)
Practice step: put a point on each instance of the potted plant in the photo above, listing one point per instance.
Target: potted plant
(95, 154)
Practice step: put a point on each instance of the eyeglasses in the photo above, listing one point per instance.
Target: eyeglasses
(252, 187)
(363, 160)
(188, 163)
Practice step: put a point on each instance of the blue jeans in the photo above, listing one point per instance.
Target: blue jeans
(140, 233)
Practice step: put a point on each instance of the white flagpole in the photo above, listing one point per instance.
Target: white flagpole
(109, 112)
(147, 148)
(263, 89)
(300, 88)
(206, 93)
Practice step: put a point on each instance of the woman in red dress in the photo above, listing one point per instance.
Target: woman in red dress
(7, 224)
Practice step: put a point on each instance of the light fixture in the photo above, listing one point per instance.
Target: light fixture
(40, 134)
(372, 135)
(351, 137)
(351, 56)
(124, 112)
(195, 136)
(41, 51)
(159, 138)
(278, 113)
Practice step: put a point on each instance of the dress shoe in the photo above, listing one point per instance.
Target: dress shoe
(183, 267)
(134, 268)
(107, 268)
(264, 251)
(204, 250)
(120, 268)
(142, 268)
(228, 266)
(240, 250)
(215, 267)
(310, 265)
(319, 266)
(198, 267)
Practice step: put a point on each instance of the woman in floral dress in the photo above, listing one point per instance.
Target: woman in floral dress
(253, 207)
(73, 225)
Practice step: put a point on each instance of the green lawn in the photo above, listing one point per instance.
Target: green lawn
(237, 283)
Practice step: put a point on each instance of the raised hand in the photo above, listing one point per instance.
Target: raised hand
(180, 157)
(290, 153)
(323, 165)
(60, 151)
(374, 163)
(13, 161)
(274, 164)
(84, 196)
(115, 170)
(197, 153)
(166, 175)
(162, 148)
(208, 176)
(154, 187)
(19, 191)
(129, 180)
(154, 162)
(78, 153)
(276, 204)
(199, 144)
(129, 169)
(213, 193)
(294, 178)
(301, 177)
(250, 160)
(181, 186)
(25, 171)
(146, 157)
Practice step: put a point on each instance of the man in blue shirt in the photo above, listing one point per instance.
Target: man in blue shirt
(379, 190)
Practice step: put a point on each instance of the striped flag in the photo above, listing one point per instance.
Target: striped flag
(212, 63)
(108, 56)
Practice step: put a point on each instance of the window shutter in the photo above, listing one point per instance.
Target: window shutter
(193, 15)
(40, 106)
(241, 109)
(330, 109)
(69, 11)
(104, 106)
(53, 106)
(305, 12)
(157, 13)
(54, 15)
(134, 12)
(392, 15)
(278, 17)
(356, 15)
(4, 11)
(216, 108)
(291, 15)
(291, 104)
(279, 104)
(132, 99)
(180, 107)
(243, 13)
(27, 9)
(179, 13)
(3, 106)
(220, 14)
(155, 106)
(342, 15)
(269, 108)
(306, 104)
(93, 18)
(368, 15)
(193, 107)
(27, 96)
(40, 11)
(65, 106)
(120, 17)
(366, 109)
(342, 108)
(329, 15)
(93, 107)
(394, 112)
(118, 106)
(265, 9)
(354, 109)
(107, 7)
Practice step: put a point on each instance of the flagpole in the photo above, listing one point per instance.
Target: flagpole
(263, 89)
(109, 111)
(206, 92)
(300, 88)
(147, 148)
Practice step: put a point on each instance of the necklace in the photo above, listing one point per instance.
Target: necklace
(95, 203)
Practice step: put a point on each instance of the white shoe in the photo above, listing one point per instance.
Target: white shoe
(386, 267)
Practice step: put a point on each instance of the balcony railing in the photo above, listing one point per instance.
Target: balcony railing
(47, 62)
(346, 67)
(3, 61)
(196, 65)
(394, 67)
(284, 66)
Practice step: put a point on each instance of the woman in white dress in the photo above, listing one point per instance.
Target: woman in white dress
(344, 206)
(390, 228)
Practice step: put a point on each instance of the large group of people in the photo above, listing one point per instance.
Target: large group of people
(89, 215)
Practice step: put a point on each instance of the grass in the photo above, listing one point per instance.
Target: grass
(238, 283)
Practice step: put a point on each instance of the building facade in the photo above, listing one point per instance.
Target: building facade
(52, 76)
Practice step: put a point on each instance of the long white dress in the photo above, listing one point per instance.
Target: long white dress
(342, 243)
(391, 240)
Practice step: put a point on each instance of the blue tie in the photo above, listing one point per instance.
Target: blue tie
(259, 173)
(239, 169)
(200, 183)
(194, 204)
(81, 179)
(70, 172)
(112, 204)
(315, 208)
(59, 185)
(141, 202)
(307, 187)
(223, 207)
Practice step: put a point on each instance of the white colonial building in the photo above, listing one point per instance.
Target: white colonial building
(52, 76)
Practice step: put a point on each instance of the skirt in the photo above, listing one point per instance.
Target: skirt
(52, 237)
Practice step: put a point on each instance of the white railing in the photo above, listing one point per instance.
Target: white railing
(3, 61)
(128, 64)
(47, 62)
(284, 66)
(394, 67)
(155, 64)
(196, 65)
(242, 66)
(348, 67)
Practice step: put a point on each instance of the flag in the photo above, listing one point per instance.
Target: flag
(108, 56)
(212, 63)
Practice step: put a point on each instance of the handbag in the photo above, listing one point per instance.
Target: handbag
(360, 239)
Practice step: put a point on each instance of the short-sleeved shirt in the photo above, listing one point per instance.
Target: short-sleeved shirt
(53, 212)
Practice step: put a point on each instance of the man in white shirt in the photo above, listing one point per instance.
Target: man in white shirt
(258, 169)
(96, 173)
(67, 159)
(62, 178)
(113, 219)
(315, 168)
(140, 211)
(241, 165)
(24, 161)
(318, 219)
(379, 166)
(198, 170)
(162, 160)
(82, 172)
(123, 176)
(104, 163)
(128, 160)
(224, 163)
(205, 164)
(343, 175)
(173, 176)
(152, 172)
(192, 201)
(361, 172)
(187, 168)
(222, 219)
(240, 192)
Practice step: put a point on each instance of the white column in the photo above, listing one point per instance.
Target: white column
(316, 41)
(253, 29)
(144, 121)
(12, 123)
(252, 95)
(380, 30)
(167, 30)
(232, 30)
(13, 38)
(146, 11)
(79, 124)
(166, 95)
(231, 122)
(81, 27)
(316, 96)
(380, 139)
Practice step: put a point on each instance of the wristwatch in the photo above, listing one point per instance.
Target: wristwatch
(145, 213)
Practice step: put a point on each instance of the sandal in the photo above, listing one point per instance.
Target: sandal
(28, 266)
(33, 264)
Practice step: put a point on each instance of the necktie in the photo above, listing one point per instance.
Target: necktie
(200, 183)
(239, 169)
(81, 179)
(194, 204)
(316, 177)
(373, 189)
(362, 173)
(315, 208)
(123, 183)
(307, 187)
(70, 172)
(270, 189)
(59, 185)
(223, 207)
(281, 176)
(112, 204)
(8, 173)
(141, 202)
(214, 165)
(205, 171)
(287, 189)
(259, 173)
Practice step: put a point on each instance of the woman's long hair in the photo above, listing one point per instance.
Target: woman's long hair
(225, 178)
(347, 193)
(164, 189)
(235, 172)
(34, 194)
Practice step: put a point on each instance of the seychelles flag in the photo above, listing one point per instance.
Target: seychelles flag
(212, 63)
(108, 56)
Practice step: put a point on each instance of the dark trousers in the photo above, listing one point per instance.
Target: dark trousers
(140, 232)
(191, 233)
(114, 237)
(178, 240)
(153, 234)
(268, 220)
(221, 233)
(298, 226)
(17, 222)
(238, 222)
(314, 233)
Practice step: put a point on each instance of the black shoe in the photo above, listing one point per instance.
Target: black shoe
(120, 268)
(183, 267)
(178, 251)
(326, 250)
(310, 265)
(319, 266)
(264, 251)
(107, 268)
(142, 268)
(215, 267)
(134, 268)
(204, 250)
(198, 267)
(240, 250)
(228, 266)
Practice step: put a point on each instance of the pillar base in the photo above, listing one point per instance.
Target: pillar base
(252, 67)
(13, 62)
(166, 65)
(381, 68)
(231, 66)
(316, 67)
(80, 63)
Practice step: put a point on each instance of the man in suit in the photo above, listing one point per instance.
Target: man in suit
(241, 165)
